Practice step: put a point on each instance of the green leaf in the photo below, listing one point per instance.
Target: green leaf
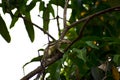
(81, 53)
(116, 59)
(36, 59)
(91, 44)
(51, 10)
(14, 19)
(114, 3)
(54, 70)
(58, 2)
(91, 38)
(46, 19)
(40, 49)
(83, 68)
(1, 5)
(72, 17)
(4, 6)
(111, 40)
(79, 62)
(42, 6)
(31, 5)
(29, 27)
(4, 31)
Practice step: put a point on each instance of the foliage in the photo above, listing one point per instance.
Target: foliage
(93, 30)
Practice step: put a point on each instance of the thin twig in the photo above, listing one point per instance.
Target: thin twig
(58, 25)
(57, 18)
(47, 19)
(62, 19)
(65, 12)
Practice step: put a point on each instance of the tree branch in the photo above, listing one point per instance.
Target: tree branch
(57, 18)
(65, 12)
